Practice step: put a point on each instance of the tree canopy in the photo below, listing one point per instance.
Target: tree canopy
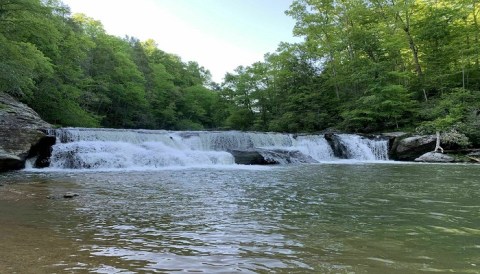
(75, 74)
(368, 66)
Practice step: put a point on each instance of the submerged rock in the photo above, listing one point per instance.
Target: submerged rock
(67, 195)
(435, 157)
(21, 129)
(70, 195)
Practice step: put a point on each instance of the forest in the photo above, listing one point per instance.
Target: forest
(363, 66)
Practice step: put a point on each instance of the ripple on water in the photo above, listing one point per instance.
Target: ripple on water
(300, 219)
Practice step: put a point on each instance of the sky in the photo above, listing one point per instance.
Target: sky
(218, 34)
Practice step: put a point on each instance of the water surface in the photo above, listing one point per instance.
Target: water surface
(322, 218)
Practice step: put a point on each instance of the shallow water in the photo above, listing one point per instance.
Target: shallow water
(325, 218)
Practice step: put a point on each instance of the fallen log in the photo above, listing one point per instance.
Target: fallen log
(474, 159)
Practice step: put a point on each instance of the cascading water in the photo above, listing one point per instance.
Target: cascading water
(361, 148)
(81, 148)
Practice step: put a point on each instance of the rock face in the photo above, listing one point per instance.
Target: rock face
(410, 148)
(20, 129)
(435, 157)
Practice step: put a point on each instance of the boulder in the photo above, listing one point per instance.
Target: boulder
(250, 157)
(21, 129)
(262, 156)
(435, 157)
(339, 149)
(284, 156)
(392, 136)
(410, 148)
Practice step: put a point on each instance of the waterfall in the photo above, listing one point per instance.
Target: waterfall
(82, 148)
(361, 148)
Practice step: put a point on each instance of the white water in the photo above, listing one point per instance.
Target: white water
(80, 148)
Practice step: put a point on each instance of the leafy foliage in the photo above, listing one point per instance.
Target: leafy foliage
(368, 66)
(74, 74)
(363, 66)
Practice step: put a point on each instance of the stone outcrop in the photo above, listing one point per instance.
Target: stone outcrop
(435, 157)
(410, 148)
(21, 129)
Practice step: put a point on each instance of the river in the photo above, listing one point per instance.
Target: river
(349, 217)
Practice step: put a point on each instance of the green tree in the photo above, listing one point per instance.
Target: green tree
(22, 27)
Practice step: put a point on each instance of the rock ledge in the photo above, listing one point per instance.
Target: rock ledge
(21, 129)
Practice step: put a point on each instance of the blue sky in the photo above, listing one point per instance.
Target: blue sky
(219, 34)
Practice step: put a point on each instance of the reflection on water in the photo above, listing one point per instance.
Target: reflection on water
(365, 218)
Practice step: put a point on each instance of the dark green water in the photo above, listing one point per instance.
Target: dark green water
(329, 218)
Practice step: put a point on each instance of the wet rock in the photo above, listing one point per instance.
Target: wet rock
(67, 195)
(43, 151)
(339, 149)
(70, 195)
(411, 148)
(21, 129)
(283, 156)
(10, 162)
(261, 156)
(435, 157)
(250, 157)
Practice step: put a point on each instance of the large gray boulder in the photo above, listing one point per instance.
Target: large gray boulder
(435, 157)
(21, 129)
(410, 148)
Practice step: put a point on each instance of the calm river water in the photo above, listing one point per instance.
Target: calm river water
(325, 218)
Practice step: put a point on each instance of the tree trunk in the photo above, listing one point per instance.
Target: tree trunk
(437, 145)
(414, 50)
(337, 89)
(476, 38)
